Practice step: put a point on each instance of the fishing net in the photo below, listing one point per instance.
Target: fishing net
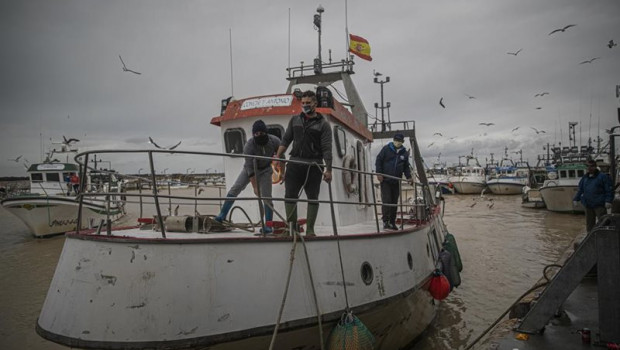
(350, 334)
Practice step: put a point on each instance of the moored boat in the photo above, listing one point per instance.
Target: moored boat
(51, 205)
(187, 281)
(469, 178)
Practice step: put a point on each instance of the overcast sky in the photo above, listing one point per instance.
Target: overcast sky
(60, 74)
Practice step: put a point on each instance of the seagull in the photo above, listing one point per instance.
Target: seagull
(376, 74)
(486, 124)
(514, 53)
(538, 131)
(68, 142)
(611, 44)
(538, 107)
(562, 29)
(16, 159)
(470, 97)
(490, 205)
(541, 94)
(590, 60)
(125, 69)
(441, 103)
(515, 129)
(437, 133)
(432, 143)
(160, 147)
(452, 138)
(471, 206)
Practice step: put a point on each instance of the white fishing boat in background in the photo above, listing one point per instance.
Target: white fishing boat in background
(50, 207)
(469, 178)
(187, 281)
(438, 177)
(508, 177)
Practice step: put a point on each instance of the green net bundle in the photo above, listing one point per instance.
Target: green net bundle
(350, 334)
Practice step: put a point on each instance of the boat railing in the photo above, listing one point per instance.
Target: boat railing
(415, 209)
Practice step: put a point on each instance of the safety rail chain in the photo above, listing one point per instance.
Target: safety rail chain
(82, 158)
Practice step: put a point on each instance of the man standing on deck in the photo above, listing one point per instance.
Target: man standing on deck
(595, 193)
(311, 136)
(393, 160)
(264, 145)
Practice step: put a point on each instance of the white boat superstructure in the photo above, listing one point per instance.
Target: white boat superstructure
(561, 186)
(438, 177)
(188, 281)
(508, 177)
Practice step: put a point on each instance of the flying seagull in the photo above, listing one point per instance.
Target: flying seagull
(68, 142)
(541, 94)
(441, 103)
(432, 143)
(515, 129)
(562, 29)
(376, 74)
(538, 131)
(16, 159)
(125, 69)
(538, 107)
(470, 97)
(611, 44)
(160, 147)
(486, 124)
(437, 133)
(590, 60)
(514, 53)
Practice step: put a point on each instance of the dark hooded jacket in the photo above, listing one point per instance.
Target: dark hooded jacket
(594, 190)
(394, 162)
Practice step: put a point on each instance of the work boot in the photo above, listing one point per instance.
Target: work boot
(313, 210)
(291, 216)
(224, 211)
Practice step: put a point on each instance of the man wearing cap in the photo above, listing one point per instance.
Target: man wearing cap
(311, 137)
(595, 193)
(264, 145)
(393, 160)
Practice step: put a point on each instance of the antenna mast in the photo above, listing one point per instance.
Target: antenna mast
(318, 62)
(232, 87)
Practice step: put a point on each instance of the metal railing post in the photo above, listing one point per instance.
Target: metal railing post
(155, 196)
(81, 199)
(259, 195)
(374, 201)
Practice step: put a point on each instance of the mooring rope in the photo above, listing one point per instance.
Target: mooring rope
(316, 300)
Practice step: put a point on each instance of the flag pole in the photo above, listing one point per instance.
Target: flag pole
(346, 30)
(232, 88)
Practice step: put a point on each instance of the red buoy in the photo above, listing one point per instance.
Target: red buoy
(439, 286)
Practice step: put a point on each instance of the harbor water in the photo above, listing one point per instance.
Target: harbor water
(504, 249)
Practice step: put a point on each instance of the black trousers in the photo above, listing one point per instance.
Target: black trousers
(296, 177)
(389, 195)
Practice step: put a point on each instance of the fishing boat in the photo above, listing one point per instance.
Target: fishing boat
(187, 281)
(561, 186)
(508, 177)
(50, 206)
(468, 178)
(438, 176)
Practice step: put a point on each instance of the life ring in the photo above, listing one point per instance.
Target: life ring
(349, 178)
(276, 175)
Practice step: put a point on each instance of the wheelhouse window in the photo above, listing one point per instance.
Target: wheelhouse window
(275, 130)
(341, 141)
(234, 139)
(52, 177)
(36, 177)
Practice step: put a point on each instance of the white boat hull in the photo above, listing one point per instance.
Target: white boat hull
(497, 187)
(466, 187)
(560, 199)
(112, 292)
(52, 215)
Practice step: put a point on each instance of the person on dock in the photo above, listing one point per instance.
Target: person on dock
(311, 136)
(595, 194)
(75, 183)
(393, 160)
(261, 144)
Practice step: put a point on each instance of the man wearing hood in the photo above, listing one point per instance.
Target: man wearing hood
(261, 144)
(393, 160)
(595, 193)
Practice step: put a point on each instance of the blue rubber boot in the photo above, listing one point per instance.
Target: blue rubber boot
(224, 211)
(268, 217)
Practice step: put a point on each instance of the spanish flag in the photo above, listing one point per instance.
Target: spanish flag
(360, 47)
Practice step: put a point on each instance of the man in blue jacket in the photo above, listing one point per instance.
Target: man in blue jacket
(393, 160)
(595, 193)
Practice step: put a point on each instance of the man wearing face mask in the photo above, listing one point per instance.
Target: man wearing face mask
(264, 145)
(311, 136)
(393, 160)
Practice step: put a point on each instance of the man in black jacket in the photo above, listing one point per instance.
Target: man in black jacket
(311, 136)
(393, 160)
